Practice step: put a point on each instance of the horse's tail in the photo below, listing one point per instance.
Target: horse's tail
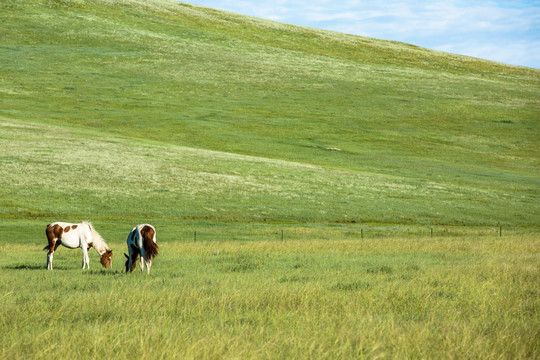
(47, 231)
(148, 234)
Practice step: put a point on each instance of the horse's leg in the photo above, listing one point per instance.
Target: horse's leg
(52, 249)
(49, 260)
(132, 259)
(86, 259)
(142, 254)
(132, 262)
(141, 264)
(50, 255)
(54, 236)
(143, 260)
(148, 265)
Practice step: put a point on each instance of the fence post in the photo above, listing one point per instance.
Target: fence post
(500, 230)
(195, 236)
(281, 234)
(362, 233)
(431, 232)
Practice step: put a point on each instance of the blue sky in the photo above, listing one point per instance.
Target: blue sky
(504, 31)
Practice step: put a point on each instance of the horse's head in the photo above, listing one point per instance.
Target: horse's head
(106, 259)
(133, 264)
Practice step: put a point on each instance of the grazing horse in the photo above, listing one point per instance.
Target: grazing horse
(141, 241)
(73, 236)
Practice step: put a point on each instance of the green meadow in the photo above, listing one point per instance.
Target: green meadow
(318, 298)
(315, 194)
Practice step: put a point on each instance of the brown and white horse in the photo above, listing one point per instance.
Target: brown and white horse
(74, 236)
(141, 241)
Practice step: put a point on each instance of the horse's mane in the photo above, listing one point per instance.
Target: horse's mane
(97, 241)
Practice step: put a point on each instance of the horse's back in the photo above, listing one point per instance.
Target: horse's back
(62, 224)
(147, 231)
(73, 234)
(139, 233)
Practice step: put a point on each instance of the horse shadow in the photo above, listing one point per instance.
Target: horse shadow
(25, 267)
(61, 268)
(32, 267)
(104, 272)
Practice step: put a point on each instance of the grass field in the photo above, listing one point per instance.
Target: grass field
(303, 299)
(236, 132)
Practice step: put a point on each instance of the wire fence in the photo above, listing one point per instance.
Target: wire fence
(295, 232)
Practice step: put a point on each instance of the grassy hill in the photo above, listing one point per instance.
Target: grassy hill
(167, 112)
(230, 128)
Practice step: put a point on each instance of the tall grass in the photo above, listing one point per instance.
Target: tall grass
(339, 298)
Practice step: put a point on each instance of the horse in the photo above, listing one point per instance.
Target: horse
(141, 241)
(73, 236)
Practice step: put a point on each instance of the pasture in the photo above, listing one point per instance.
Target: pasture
(236, 132)
(455, 297)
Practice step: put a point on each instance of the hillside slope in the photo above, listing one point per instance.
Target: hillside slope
(398, 134)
